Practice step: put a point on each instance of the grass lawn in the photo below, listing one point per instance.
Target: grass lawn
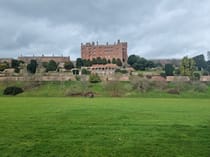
(104, 127)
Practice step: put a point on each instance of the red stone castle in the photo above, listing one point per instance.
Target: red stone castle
(89, 51)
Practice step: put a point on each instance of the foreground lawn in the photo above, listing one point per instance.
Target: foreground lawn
(59, 127)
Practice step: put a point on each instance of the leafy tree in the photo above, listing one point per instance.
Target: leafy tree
(196, 76)
(177, 71)
(79, 63)
(133, 59)
(51, 66)
(187, 66)
(139, 63)
(32, 66)
(169, 70)
(119, 62)
(200, 62)
(150, 64)
(68, 65)
(4, 66)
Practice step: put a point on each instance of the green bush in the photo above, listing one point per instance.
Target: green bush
(94, 78)
(196, 76)
(85, 72)
(13, 91)
(199, 87)
(163, 74)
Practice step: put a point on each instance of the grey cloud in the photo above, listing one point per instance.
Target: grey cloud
(153, 29)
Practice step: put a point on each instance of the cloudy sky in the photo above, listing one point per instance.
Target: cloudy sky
(152, 28)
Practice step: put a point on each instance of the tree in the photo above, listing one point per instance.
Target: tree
(99, 60)
(79, 63)
(94, 61)
(32, 66)
(15, 64)
(114, 61)
(132, 59)
(139, 63)
(119, 62)
(104, 61)
(169, 70)
(208, 66)
(200, 62)
(187, 66)
(51, 66)
(87, 63)
(4, 66)
(150, 64)
(68, 65)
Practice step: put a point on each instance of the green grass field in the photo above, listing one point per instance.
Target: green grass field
(103, 127)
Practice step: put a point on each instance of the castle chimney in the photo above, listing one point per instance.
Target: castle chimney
(118, 42)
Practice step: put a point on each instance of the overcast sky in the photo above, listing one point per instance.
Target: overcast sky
(152, 28)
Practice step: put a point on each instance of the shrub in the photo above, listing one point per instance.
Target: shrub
(114, 88)
(205, 73)
(4, 66)
(85, 72)
(199, 87)
(173, 91)
(51, 66)
(121, 71)
(163, 74)
(196, 76)
(13, 91)
(141, 84)
(68, 65)
(78, 78)
(94, 78)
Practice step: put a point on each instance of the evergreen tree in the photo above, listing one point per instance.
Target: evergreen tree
(79, 63)
(32, 66)
(169, 70)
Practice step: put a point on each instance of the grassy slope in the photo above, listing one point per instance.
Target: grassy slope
(104, 127)
(59, 89)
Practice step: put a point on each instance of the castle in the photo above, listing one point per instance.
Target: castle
(89, 51)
